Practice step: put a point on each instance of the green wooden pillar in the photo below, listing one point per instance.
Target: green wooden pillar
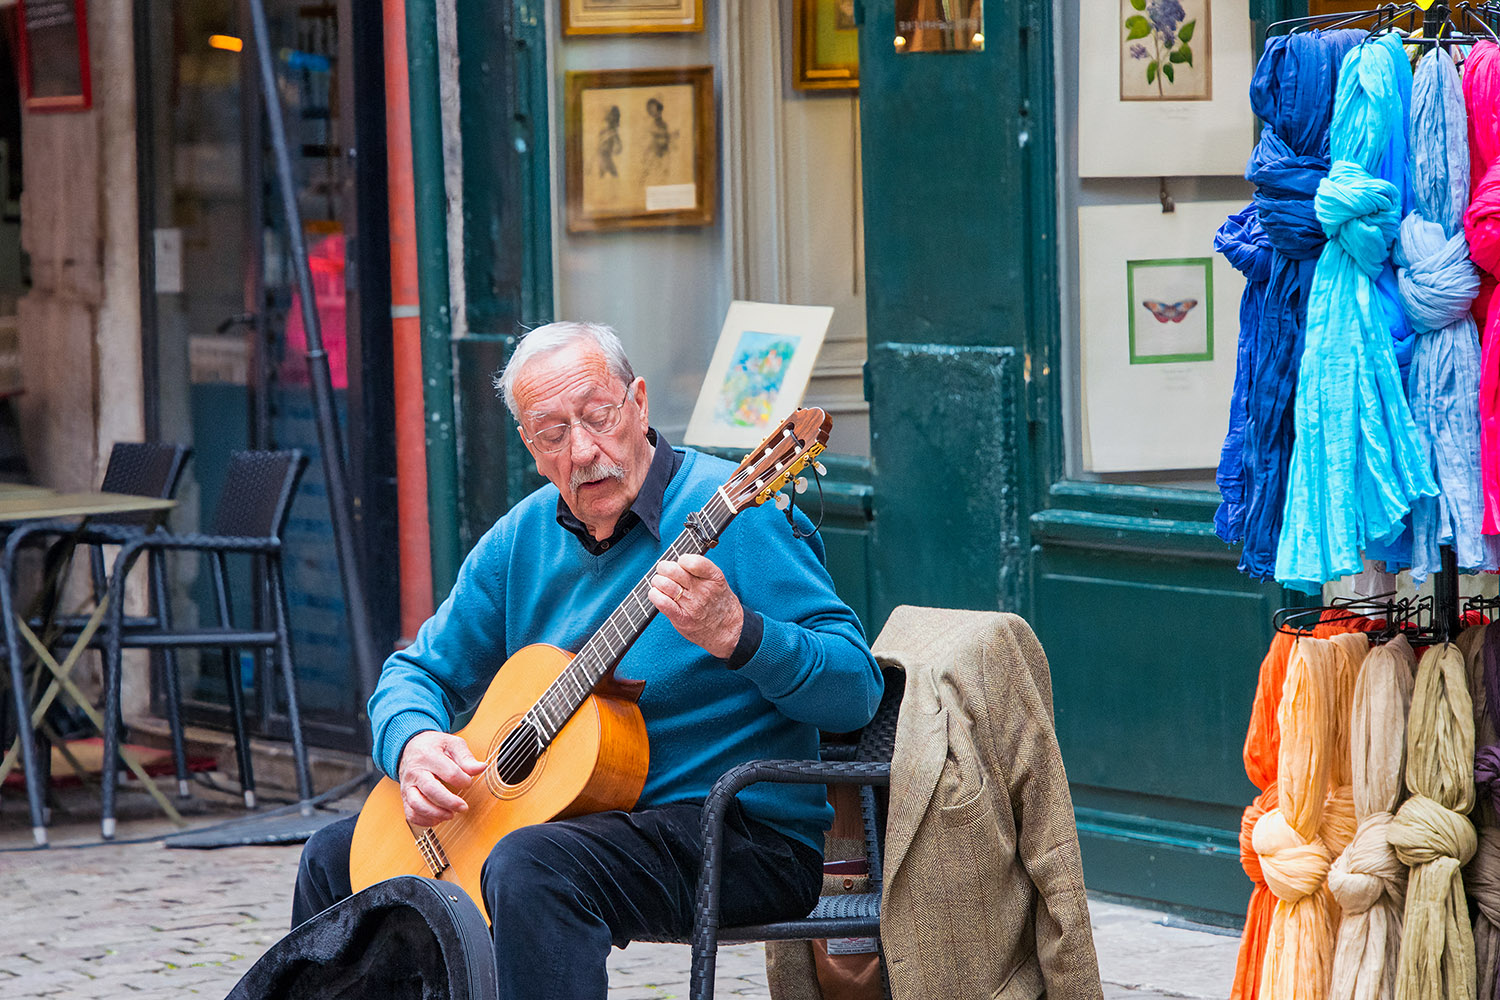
(947, 249)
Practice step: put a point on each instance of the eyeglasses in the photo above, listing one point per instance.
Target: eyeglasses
(595, 420)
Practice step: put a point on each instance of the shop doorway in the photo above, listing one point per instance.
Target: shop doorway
(226, 346)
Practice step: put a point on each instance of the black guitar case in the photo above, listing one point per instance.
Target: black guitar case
(407, 938)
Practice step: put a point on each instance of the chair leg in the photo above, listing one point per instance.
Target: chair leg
(110, 773)
(34, 786)
(163, 609)
(289, 679)
(232, 682)
(35, 790)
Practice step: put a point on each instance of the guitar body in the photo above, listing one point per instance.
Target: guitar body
(596, 762)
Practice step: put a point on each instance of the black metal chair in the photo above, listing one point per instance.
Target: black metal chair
(851, 915)
(142, 469)
(249, 518)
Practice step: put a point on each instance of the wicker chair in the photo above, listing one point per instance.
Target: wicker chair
(150, 470)
(249, 518)
(851, 915)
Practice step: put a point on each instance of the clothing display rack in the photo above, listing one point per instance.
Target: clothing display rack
(1371, 737)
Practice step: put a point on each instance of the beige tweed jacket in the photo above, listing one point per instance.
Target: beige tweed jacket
(983, 893)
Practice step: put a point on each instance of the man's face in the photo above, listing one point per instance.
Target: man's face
(598, 475)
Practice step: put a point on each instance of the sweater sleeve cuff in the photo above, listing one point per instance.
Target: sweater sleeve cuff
(776, 665)
(398, 733)
(750, 634)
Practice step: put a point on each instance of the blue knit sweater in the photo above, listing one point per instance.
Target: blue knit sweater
(529, 581)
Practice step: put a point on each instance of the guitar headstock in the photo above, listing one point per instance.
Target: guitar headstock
(798, 440)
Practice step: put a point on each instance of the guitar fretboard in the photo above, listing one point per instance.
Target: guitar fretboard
(622, 628)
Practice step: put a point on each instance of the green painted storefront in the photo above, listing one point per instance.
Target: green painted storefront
(965, 500)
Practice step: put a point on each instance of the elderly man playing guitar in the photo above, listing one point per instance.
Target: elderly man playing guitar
(751, 655)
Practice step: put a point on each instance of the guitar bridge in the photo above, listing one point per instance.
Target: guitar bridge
(432, 852)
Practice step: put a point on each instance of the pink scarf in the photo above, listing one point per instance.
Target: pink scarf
(1482, 227)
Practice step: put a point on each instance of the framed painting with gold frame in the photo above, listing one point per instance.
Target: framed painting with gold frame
(623, 17)
(641, 148)
(825, 45)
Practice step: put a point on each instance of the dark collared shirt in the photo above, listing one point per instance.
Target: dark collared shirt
(646, 511)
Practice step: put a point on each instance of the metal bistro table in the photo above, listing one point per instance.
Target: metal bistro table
(18, 505)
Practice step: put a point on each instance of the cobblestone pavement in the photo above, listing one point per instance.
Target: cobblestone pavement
(143, 920)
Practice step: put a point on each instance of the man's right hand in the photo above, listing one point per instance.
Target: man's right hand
(434, 768)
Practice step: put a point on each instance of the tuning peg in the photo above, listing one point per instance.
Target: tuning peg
(801, 484)
(783, 501)
(822, 469)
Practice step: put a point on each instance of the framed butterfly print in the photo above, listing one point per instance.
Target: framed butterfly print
(1171, 309)
(1161, 88)
(1158, 322)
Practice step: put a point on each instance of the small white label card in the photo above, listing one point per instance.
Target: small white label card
(671, 197)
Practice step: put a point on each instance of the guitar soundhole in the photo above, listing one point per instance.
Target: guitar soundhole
(518, 754)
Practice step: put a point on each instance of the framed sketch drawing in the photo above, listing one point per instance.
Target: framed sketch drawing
(760, 368)
(825, 45)
(1163, 89)
(640, 148)
(619, 17)
(1158, 327)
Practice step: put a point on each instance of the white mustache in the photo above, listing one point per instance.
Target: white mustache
(602, 469)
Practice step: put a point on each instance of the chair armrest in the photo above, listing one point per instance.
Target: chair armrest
(792, 772)
(132, 549)
(204, 543)
(796, 772)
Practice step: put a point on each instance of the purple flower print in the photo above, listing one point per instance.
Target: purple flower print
(1160, 34)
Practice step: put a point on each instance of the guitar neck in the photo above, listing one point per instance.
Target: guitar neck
(623, 627)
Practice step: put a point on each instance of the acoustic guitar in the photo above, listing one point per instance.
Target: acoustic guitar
(561, 734)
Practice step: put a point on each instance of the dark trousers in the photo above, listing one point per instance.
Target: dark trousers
(560, 893)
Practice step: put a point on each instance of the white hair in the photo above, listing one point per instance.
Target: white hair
(554, 337)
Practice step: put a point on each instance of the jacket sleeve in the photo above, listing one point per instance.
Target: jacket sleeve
(1046, 833)
(812, 662)
(445, 671)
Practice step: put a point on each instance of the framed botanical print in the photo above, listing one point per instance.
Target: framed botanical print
(620, 17)
(1150, 74)
(825, 45)
(641, 148)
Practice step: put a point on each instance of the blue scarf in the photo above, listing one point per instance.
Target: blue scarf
(1245, 245)
(1292, 92)
(1438, 282)
(1358, 461)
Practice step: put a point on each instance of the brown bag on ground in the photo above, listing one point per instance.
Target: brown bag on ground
(846, 968)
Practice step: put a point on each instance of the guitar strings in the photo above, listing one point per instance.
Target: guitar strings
(512, 749)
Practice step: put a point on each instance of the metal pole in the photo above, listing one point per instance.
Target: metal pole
(329, 439)
(412, 522)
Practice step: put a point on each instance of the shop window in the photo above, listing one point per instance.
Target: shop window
(787, 222)
(1149, 310)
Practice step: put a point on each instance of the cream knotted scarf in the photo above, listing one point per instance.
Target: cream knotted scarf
(1294, 857)
(1368, 880)
(1339, 815)
(1432, 834)
(1482, 875)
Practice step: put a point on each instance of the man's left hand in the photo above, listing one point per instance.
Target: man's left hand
(696, 599)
